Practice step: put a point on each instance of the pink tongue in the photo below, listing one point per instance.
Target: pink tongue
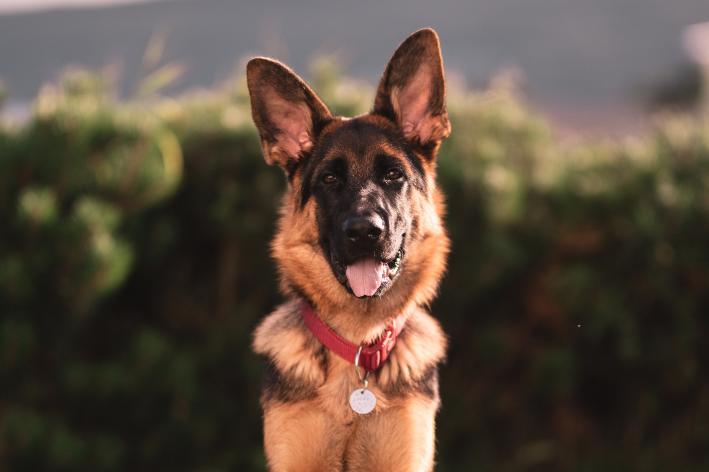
(365, 276)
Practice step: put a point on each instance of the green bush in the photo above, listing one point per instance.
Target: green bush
(134, 265)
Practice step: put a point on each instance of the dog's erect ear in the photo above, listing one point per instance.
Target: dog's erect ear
(412, 91)
(286, 111)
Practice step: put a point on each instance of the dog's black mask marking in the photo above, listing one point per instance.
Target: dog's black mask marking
(362, 177)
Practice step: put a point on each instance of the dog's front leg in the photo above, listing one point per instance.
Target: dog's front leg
(399, 439)
(301, 437)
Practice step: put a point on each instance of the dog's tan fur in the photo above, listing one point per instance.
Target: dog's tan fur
(310, 427)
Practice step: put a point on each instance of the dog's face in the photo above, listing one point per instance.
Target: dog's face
(362, 178)
(362, 199)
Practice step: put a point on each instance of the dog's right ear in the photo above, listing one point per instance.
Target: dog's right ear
(287, 113)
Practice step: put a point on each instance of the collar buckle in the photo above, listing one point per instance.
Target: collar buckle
(374, 355)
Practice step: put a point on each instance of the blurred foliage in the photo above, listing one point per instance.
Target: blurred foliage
(134, 265)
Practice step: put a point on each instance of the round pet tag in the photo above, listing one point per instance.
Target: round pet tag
(362, 401)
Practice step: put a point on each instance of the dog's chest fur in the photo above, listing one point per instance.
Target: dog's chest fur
(300, 369)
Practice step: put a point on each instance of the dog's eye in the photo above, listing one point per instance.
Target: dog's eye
(328, 178)
(394, 174)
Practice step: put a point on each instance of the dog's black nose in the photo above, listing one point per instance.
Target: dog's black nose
(363, 228)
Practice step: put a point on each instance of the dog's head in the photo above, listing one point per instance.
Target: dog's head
(362, 208)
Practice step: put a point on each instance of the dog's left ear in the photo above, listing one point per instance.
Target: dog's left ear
(412, 92)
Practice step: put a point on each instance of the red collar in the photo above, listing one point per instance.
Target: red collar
(372, 355)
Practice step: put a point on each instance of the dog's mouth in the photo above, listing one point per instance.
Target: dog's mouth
(367, 276)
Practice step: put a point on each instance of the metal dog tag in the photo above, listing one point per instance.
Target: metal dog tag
(362, 401)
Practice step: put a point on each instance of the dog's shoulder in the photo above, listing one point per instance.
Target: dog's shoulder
(280, 329)
(413, 364)
(422, 339)
(294, 359)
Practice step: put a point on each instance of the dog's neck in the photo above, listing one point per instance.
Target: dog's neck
(362, 322)
(369, 356)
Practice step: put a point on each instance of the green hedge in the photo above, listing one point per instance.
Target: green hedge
(134, 265)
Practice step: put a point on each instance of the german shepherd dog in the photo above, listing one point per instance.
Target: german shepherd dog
(360, 249)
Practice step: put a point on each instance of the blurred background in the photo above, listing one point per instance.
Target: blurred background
(589, 64)
(136, 210)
